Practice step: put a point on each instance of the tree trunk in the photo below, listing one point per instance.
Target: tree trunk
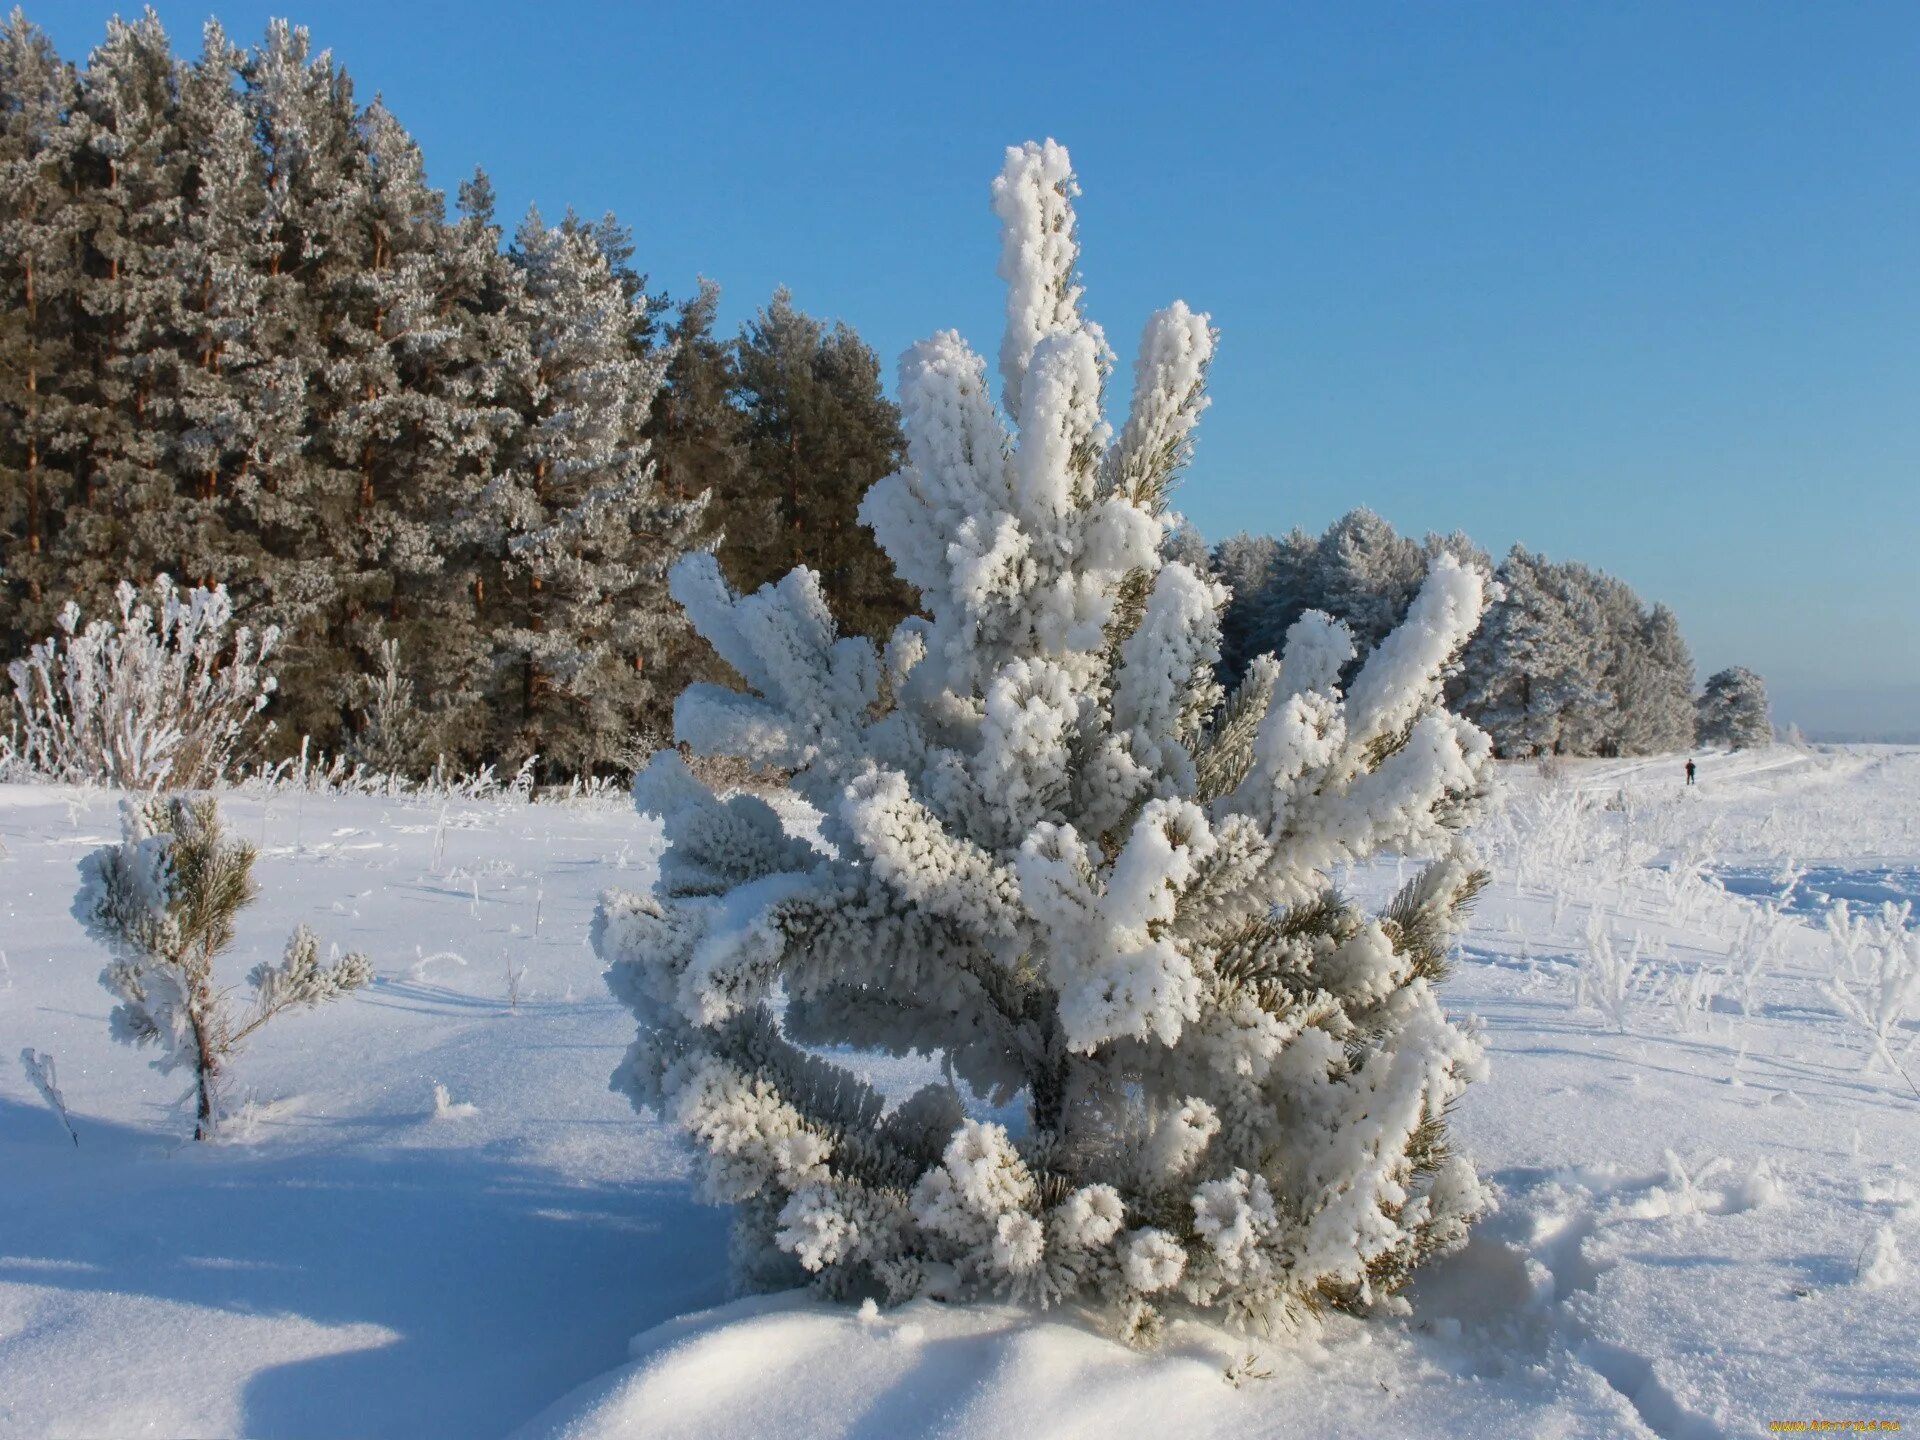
(34, 521)
(206, 1069)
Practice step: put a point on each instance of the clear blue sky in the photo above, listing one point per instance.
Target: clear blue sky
(1636, 284)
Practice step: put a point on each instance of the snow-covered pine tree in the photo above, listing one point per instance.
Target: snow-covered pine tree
(469, 385)
(131, 176)
(303, 500)
(1649, 676)
(583, 534)
(1460, 546)
(819, 432)
(1247, 566)
(428, 436)
(1361, 571)
(388, 741)
(1733, 711)
(1053, 858)
(1185, 544)
(234, 407)
(1594, 609)
(39, 280)
(1270, 584)
(1667, 694)
(168, 183)
(1366, 573)
(1531, 676)
(383, 323)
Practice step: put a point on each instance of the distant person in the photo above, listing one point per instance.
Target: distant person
(1689, 772)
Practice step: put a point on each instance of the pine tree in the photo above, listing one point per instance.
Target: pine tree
(39, 283)
(1247, 565)
(1663, 698)
(1733, 711)
(232, 406)
(247, 346)
(1648, 676)
(1604, 613)
(1530, 674)
(820, 431)
(305, 503)
(385, 318)
(1053, 856)
(582, 534)
(130, 181)
(165, 902)
(437, 412)
(1360, 571)
(1366, 574)
(1270, 584)
(1186, 545)
(468, 381)
(698, 434)
(388, 431)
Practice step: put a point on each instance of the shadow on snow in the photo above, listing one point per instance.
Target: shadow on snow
(458, 1252)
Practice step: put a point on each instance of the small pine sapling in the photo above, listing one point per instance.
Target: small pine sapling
(164, 902)
(390, 738)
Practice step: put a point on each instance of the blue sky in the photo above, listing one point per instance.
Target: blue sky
(1633, 284)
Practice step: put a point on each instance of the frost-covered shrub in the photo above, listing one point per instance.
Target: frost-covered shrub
(1876, 983)
(1759, 943)
(13, 764)
(170, 694)
(1053, 858)
(164, 902)
(1608, 974)
(1691, 994)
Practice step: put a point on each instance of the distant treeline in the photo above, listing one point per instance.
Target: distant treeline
(1569, 661)
(243, 342)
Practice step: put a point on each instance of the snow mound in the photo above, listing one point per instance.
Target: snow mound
(805, 1370)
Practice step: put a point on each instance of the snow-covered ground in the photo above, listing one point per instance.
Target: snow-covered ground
(1708, 1222)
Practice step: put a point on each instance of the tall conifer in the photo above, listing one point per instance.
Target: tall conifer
(820, 432)
(39, 281)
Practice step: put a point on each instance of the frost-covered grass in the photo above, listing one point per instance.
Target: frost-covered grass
(434, 1219)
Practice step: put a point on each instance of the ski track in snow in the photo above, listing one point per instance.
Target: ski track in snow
(1680, 1249)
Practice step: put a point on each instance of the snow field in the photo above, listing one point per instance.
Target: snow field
(1704, 1225)
(353, 1258)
